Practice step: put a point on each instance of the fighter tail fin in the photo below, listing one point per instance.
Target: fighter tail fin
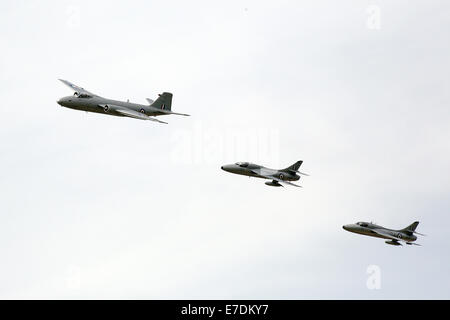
(411, 228)
(294, 167)
(164, 101)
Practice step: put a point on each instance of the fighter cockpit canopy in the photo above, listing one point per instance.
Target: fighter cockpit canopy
(242, 164)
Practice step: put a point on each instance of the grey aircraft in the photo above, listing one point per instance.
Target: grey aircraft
(86, 101)
(278, 177)
(394, 236)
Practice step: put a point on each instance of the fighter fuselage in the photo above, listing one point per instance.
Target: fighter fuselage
(365, 228)
(248, 169)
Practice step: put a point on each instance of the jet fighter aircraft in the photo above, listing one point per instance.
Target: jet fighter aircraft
(394, 236)
(87, 101)
(278, 177)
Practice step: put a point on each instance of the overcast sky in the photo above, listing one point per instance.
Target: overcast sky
(100, 207)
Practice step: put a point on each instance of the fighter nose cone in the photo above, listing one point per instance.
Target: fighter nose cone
(225, 168)
(345, 227)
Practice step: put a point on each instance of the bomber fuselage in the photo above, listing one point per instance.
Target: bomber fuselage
(106, 106)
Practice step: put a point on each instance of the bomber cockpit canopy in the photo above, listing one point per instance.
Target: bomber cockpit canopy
(242, 164)
(82, 95)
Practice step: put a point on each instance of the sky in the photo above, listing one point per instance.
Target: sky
(100, 207)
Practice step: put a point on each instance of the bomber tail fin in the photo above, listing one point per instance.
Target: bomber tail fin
(164, 101)
(164, 104)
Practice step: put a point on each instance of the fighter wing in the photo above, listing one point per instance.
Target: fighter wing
(383, 233)
(286, 182)
(136, 115)
(258, 172)
(386, 234)
(76, 88)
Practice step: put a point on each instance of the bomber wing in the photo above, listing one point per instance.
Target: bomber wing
(76, 88)
(136, 115)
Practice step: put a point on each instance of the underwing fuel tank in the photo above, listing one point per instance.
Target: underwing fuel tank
(273, 184)
(393, 243)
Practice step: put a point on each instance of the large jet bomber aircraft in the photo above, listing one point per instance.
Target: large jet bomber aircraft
(87, 101)
(394, 236)
(278, 177)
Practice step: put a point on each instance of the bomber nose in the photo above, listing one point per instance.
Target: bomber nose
(60, 102)
(345, 227)
(221, 167)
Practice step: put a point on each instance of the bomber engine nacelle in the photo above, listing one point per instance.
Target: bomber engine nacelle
(393, 243)
(109, 107)
(273, 184)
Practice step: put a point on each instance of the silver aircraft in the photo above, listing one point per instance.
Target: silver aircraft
(278, 177)
(394, 236)
(86, 101)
